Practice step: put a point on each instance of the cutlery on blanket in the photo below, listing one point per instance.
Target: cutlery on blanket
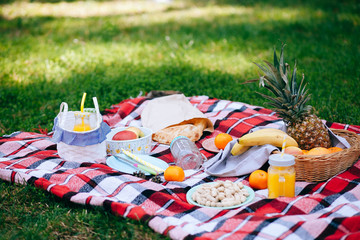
(136, 165)
(141, 161)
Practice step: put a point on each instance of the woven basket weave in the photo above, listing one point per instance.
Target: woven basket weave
(314, 168)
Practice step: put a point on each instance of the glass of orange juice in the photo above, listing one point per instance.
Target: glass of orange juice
(281, 175)
(82, 122)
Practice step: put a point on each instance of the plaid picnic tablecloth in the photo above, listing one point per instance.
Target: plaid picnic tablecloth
(328, 209)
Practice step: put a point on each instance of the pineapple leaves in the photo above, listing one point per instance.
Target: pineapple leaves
(262, 81)
(273, 87)
(290, 96)
(274, 101)
(293, 81)
(287, 95)
(262, 68)
(275, 72)
(282, 64)
(276, 61)
(268, 80)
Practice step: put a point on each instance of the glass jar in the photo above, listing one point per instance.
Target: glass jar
(82, 122)
(281, 175)
(186, 154)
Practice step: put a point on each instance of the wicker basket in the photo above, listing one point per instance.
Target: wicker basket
(322, 167)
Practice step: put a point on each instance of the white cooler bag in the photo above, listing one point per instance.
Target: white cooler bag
(88, 146)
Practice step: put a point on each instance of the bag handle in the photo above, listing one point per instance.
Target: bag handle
(98, 115)
(63, 109)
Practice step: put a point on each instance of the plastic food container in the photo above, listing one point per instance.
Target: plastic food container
(138, 146)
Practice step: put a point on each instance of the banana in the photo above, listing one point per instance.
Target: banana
(238, 149)
(137, 131)
(264, 136)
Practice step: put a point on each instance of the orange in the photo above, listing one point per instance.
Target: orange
(305, 151)
(318, 151)
(258, 179)
(222, 139)
(174, 173)
(335, 149)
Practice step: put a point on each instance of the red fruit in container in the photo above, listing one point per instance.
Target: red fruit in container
(125, 135)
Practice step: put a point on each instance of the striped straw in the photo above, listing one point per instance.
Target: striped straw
(136, 165)
(136, 158)
(283, 146)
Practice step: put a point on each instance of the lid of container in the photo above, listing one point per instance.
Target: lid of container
(281, 160)
(177, 138)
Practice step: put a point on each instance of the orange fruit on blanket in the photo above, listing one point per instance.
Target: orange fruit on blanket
(258, 179)
(318, 151)
(174, 173)
(335, 149)
(222, 139)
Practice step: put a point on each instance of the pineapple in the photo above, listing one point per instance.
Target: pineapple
(290, 103)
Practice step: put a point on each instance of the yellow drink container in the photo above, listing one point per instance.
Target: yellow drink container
(82, 122)
(281, 176)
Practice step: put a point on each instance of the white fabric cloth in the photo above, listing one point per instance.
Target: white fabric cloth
(226, 165)
(163, 112)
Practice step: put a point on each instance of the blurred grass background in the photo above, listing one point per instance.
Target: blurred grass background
(52, 51)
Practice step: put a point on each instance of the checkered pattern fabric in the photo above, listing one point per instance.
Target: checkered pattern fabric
(328, 209)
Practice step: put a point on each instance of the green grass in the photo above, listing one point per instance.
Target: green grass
(52, 51)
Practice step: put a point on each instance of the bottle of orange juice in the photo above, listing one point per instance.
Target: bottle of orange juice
(82, 122)
(281, 175)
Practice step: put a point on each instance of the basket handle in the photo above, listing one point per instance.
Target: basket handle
(98, 115)
(63, 109)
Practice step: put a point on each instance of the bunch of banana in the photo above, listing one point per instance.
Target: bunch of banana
(263, 136)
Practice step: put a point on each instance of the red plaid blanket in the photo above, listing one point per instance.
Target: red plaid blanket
(328, 209)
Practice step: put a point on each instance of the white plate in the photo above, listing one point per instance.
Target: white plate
(192, 190)
(122, 166)
(209, 145)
